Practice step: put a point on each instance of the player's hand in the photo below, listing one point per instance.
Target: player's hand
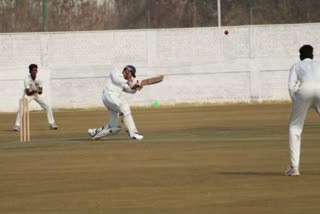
(138, 85)
(134, 84)
(33, 91)
(131, 83)
(39, 91)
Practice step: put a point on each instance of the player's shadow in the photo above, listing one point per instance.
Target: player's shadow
(9, 130)
(89, 140)
(239, 173)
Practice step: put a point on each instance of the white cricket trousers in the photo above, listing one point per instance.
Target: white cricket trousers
(115, 105)
(305, 98)
(41, 102)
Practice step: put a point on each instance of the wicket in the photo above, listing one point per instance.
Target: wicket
(24, 120)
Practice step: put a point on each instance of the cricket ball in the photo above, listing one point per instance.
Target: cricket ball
(226, 32)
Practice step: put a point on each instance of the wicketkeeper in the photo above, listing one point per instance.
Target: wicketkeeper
(118, 82)
(32, 91)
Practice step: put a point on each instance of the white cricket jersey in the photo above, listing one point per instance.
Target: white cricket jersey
(116, 84)
(304, 75)
(29, 83)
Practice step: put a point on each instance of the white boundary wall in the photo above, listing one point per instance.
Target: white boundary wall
(251, 63)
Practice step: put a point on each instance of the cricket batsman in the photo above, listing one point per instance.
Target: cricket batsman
(118, 82)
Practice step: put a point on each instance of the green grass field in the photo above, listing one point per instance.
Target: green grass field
(200, 159)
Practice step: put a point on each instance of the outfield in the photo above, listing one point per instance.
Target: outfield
(194, 159)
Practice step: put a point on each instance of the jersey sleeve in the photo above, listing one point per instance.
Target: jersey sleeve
(117, 78)
(126, 88)
(26, 84)
(40, 84)
(293, 81)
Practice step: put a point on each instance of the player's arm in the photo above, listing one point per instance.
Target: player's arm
(39, 90)
(132, 86)
(29, 91)
(117, 78)
(128, 89)
(293, 82)
(39, 87)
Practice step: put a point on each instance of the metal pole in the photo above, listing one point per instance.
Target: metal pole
(148, 15)
(44, 15)
(251, 16)
(219, 12)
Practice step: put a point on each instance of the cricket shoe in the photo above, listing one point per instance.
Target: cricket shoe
(53, 126)
(94, 132)
(292, 171)
(16, 128)
(135, 136)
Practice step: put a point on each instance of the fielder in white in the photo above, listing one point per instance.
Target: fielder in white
(118, 82)
(32, 91)
(304, 89)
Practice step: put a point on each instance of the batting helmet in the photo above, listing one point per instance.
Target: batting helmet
(131, 69)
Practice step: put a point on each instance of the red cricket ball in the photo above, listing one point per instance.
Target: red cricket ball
(226, 32)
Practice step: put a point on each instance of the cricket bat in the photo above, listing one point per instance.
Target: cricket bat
(152, 80)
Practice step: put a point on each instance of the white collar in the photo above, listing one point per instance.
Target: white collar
(32, 79)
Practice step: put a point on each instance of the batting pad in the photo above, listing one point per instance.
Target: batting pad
(129, 123)
(127, 119)
(101, 134)
(115, 130)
